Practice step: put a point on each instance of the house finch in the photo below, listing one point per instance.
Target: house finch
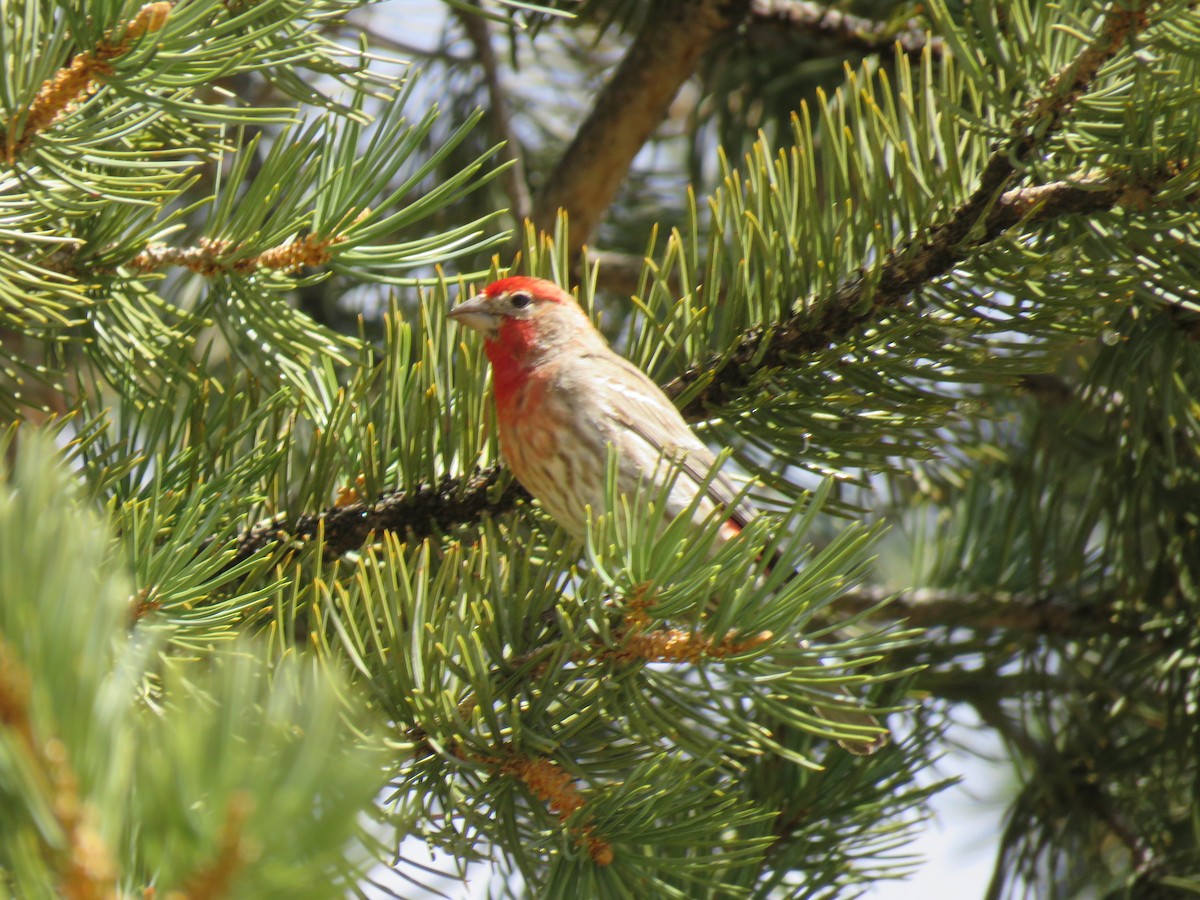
(563, 397)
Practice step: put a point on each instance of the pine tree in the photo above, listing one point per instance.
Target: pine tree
(271, 610)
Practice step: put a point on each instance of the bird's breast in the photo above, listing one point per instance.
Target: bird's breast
(554, 449)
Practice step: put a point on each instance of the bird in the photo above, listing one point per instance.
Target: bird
(564, 397)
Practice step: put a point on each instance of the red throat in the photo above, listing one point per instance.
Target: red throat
(510, 354)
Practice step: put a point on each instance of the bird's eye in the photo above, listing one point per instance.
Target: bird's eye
(520, 300)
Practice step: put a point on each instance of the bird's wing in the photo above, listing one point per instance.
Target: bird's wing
(646, 411)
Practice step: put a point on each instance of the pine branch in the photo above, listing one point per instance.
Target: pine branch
(73, 82)
(210, 257)
(552, 786)
(991, 210)
(417, 513)
(85, 866)
(908, 269)
(214, 256)
(851, 31)
(1031, 814)
(628, 110)
(633, 642)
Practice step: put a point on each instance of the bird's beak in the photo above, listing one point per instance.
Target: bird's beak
(474, 314)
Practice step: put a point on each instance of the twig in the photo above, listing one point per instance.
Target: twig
(212, 256)
(677, 645)
(848, 30)
(513, 178)
(552, 786)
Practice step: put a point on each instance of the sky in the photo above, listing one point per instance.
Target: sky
(959, 843)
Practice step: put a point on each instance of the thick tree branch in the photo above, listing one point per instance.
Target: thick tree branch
(628, 110)
(416, 513)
